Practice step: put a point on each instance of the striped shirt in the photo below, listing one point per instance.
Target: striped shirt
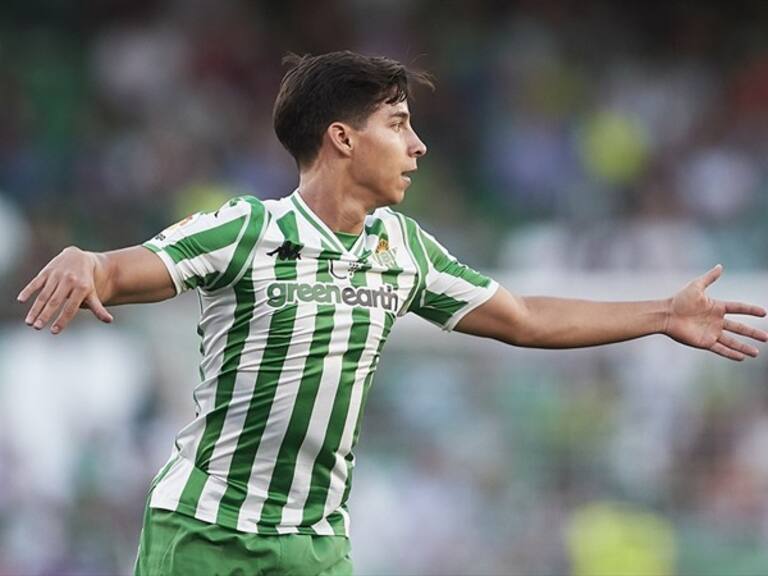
(292, 326)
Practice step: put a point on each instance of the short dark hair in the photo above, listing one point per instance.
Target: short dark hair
(338, 86)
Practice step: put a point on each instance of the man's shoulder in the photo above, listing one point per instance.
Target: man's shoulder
(249, 201)
(268, 207)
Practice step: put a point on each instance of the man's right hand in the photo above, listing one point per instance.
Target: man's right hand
(78, 279)
(65, 284)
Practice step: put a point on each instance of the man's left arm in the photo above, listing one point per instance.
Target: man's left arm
(689, 317)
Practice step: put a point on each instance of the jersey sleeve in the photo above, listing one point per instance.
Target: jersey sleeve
(447, 290)
(210, 250)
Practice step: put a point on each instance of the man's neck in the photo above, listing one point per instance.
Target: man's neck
(334, 201)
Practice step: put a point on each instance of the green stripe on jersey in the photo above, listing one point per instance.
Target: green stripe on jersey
(389, 277)
(206, 241)
(412, 292)
(290, 230)
(298, 426)
(195, 281)
(335, 518)
(412, 239)
(326, 458)
(279, 340)
(439, 307)
(214, 420)
(257, 223)
(442, 262)
(376, 228)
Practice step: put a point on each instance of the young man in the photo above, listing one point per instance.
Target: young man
(298, 297)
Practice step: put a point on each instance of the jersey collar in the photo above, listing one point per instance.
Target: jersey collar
(326, 233)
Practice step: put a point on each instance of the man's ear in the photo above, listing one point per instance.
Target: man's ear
(341, 136)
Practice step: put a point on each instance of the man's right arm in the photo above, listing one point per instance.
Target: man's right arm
(206, 250)
(78, 279)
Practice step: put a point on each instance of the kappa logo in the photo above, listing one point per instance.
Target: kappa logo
(287, 251)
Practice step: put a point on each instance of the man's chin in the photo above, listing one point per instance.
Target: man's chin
(397, 197)
(390, 197)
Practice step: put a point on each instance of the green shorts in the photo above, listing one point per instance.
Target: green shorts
(173, 543)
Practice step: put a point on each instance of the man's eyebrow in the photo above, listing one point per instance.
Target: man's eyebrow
(402, 115)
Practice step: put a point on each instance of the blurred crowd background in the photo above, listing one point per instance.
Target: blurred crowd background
(575, 148)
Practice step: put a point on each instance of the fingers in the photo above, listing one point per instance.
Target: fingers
(64, 285)
(744, 330)
(62, 294)
(726, 352)
(97, 308)
(40, 302)
(738, 345)
(741, 308)
(52, 304)
(71, 306)
(708, 278)
(35, 285)
(72, 303)
(733, 349)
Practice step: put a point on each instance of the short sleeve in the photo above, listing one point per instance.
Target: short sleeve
(448, 290)
(210, 250)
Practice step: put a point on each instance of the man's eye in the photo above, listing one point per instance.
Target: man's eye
(398, 126)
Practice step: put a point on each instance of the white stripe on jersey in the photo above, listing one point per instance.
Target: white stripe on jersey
(280, 412)
(338, 475)
(242, 391)
(168, 491)
(318, 422)
(405, 259)
(214, 341)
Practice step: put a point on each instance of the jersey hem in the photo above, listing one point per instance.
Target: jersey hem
(456, 318)
(162, 497)
(170, 265)
(190, 512)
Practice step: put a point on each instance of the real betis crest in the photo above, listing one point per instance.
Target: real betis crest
(384, 255)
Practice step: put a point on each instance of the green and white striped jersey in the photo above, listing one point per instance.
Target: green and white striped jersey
(292, 327)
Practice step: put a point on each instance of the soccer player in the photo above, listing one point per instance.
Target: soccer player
(298, 296)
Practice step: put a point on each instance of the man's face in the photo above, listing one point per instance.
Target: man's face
(386, 149)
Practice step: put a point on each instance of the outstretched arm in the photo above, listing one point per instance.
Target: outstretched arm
(78, 279)
(689, 317)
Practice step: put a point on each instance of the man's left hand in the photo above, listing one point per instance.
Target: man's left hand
(697, 320)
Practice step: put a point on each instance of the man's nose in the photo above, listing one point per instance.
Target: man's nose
(418, 148)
